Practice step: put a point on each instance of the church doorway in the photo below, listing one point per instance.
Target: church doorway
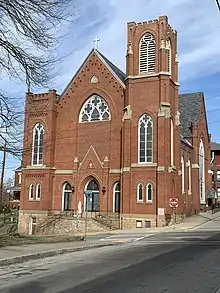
(92, 201)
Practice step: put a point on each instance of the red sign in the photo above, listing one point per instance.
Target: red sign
(173, 202)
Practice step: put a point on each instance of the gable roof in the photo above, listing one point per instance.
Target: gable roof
(190, 108)
(119, 75)
(215, 146)
(117, 71)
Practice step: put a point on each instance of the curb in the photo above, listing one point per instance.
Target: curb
(49, 253)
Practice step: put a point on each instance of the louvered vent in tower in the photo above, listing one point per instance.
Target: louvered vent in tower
(147, 54)
(169, 56)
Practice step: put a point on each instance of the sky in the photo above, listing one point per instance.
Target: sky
(198, 26)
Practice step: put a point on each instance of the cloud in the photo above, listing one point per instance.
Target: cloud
(197, 23)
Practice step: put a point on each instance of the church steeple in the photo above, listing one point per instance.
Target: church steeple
(152, 48)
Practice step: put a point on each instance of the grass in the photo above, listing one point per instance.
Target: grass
(17, 240)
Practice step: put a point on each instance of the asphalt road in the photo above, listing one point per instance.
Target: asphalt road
(171, 262)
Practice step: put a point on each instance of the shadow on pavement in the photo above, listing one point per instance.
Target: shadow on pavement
(32, 287)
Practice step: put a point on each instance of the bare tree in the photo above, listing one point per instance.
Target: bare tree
(31, 32)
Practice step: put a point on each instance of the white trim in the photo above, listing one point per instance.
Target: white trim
(31, 187)
(149, 75)
(152, 193)
(62, 172)
(152, 125)
(142, 165)
(138, 199)
(19, 178)
(115, 171)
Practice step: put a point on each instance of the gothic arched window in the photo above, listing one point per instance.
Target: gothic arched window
(190, 179)
(116, 197)
(147, 52)
(94, 109)
(66, 197)
(149, 192)
(38, 192)
(145, 139)
(171, 143)
(202, 171)
(31, 192)
(183, 174)
(38, 140)
(140, 193)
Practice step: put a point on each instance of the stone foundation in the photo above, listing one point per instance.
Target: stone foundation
(45, 223)
(55, 224)
(141, 221)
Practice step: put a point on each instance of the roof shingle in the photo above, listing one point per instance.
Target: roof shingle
(189, 108)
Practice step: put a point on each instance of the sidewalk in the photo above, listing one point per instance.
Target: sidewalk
(23, 253)
(19, 254)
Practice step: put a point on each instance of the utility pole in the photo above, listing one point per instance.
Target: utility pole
(3, 171)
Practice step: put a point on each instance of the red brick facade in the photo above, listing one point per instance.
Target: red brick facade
(108, 151)
(215, 161)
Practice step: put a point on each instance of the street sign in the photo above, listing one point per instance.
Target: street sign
(174, 202)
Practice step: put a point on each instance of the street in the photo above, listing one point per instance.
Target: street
(168, 262)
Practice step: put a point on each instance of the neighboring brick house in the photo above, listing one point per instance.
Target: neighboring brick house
(15, 191)
(215, 162)
(119, 136)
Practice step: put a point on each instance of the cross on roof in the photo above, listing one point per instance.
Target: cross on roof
(96, 40)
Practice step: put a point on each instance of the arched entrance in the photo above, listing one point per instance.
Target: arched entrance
(92, 202)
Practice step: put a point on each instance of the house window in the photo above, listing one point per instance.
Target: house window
(149, 193)
(218, 192)
(38, 139)
(218, 176)
(66, 197)
(190, 179)
(38, 192)
(171, 142)
(19, 178)
(31, 192)
(140, 193)
(183, 174)
(145, 139)
(202, 172)
(94, 109)
(147, 54)
(213, 177)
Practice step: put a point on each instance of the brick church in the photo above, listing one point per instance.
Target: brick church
(130, 140)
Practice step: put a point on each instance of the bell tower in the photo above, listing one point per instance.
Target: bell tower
(152, 92)
(151, 49)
